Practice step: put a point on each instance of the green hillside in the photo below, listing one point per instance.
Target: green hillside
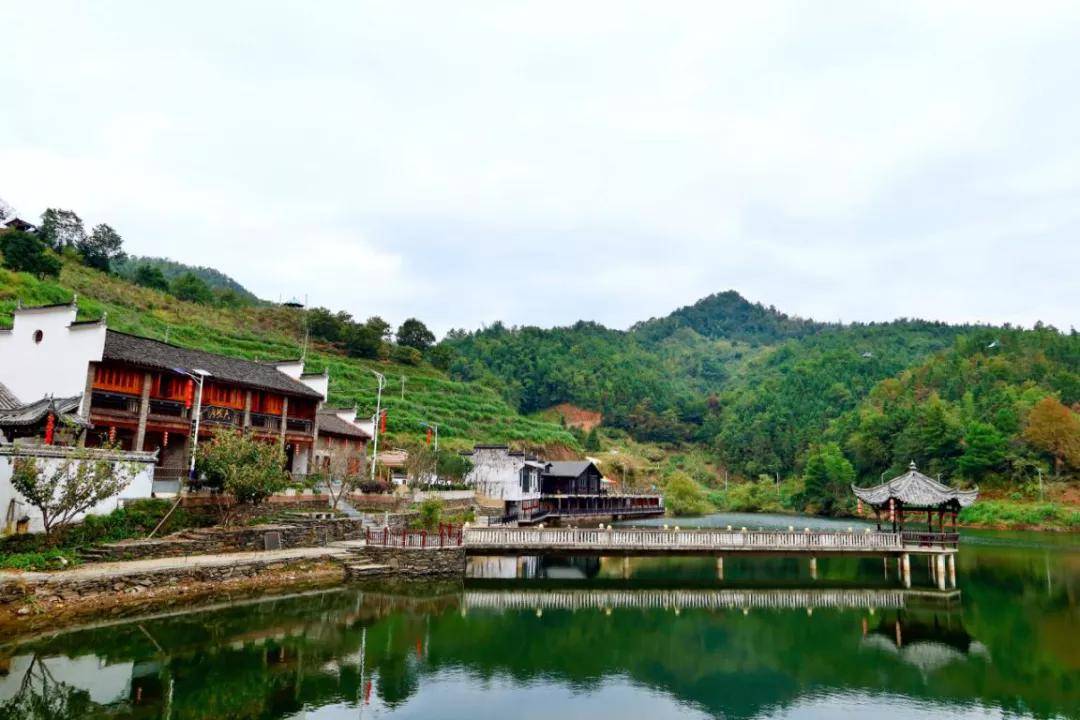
(171, 270)
(466, 411)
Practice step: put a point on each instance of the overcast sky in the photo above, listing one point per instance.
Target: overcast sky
(544, 162)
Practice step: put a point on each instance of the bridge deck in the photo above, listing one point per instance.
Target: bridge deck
(658, 541)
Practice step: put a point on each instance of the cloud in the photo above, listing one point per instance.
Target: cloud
(546, 162)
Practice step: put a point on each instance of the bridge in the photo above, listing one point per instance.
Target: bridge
(704, 541)
(700, 599)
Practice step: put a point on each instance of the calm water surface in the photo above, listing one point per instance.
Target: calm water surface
(596, 638)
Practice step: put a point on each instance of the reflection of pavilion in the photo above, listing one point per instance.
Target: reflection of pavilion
(926, 640)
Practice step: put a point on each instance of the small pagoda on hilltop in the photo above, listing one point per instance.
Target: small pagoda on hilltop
(913, 493)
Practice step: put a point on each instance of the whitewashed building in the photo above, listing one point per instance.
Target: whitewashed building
(509, 481)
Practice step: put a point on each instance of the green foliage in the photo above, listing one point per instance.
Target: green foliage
(218, 281)
(431, 512)
(150, 276)
(1055, 429)
(407, 355)
(592, 441)
(1006, 514)
(23, 252)
(101, 248)
(442, 356)
(985, 450)
(683, 496)
(827, 479)
(51, 559)
(729, 315)
(192, 288)
(249, 470)
(415, 334)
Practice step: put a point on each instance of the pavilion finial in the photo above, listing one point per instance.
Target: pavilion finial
(911, 466)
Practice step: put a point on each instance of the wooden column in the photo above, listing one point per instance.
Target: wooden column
(247, 409)
(284, 417)
(87, 398)
(144, 410)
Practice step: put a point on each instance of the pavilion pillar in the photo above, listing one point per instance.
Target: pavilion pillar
(939, 561)
(885, 559)
(247, 409)
(905, 569)
(144, 411)
(952, 569)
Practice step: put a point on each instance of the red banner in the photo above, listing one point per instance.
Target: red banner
(50, 428)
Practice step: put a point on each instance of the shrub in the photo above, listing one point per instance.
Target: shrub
(683, 496)
(431, 511)
(25, 253)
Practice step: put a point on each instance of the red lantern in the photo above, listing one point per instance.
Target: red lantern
(429, 436)
(165, 439)
(50, 427)
(382, 422)
(858, 507)
(892, 510)
(189, 394)
(112, 435)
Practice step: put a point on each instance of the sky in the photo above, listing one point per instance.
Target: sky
(544, 162)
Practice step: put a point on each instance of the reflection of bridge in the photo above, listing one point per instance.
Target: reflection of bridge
(719, 599)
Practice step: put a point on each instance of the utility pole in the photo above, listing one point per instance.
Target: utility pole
(1039, 468)
(378, 419)
(402, 387)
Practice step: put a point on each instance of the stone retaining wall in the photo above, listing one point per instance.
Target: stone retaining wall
(417, 562)
(211, 541)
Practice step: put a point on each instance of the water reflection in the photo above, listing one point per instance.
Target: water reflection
(537, 637)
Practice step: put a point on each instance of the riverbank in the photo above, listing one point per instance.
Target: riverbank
(32, 600)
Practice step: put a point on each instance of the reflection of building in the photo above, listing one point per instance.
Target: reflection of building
(927, 640)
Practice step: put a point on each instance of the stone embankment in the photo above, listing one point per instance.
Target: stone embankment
(33, 600)
(408, 562)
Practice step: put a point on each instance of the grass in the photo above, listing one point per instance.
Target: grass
(1012, 514)
(467, 413)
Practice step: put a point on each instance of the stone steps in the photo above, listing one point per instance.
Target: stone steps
(362, 569)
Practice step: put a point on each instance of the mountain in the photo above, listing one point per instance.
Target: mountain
(728, 315)
(172, 269)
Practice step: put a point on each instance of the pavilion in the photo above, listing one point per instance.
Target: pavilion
(912, 493)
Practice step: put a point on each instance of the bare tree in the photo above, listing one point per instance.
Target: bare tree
(79, 482)
(344, 473)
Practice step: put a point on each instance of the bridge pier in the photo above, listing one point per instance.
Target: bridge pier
(813, 568)
(939, 562)
(952, 569)
(905, 569)
(626, 567)
(720, 567)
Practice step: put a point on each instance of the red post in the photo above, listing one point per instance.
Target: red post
(50, 427)
(423, 538)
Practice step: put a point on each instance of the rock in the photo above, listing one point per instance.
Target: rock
(23, 611)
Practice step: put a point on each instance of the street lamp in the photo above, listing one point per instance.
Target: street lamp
(198, 375)
(375, 428)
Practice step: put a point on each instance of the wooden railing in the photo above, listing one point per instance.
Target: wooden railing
(444, 536)
(658, 539)
(931, 539)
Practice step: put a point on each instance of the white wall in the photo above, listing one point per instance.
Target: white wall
(52, 457)
(55, 366)
(496, 474)
(318, 383)
(292, 368)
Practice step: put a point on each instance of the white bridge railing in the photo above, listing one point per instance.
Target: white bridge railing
(682, 599)
(658, 539)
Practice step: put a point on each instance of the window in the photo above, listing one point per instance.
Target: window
(38, 336)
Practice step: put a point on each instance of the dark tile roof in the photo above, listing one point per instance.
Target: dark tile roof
(35, 412)
(157, 355)
(7, 399)
(333, 425)
(915, 490)
(567, 468)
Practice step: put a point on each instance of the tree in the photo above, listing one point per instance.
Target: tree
(25, 253)
(592, 441)
(150, 276)
(1054, 429)
(101, 248)
(361, 341)
(827, 476)
(415, 334)
(325, 325)
(62, 491)
(380, 326)
(406, 355)
(442, 356)
(248, 469)
(683, 496)
(192, 288)
(431, 511)
(984, 450)
(61, 229)
(344, 475)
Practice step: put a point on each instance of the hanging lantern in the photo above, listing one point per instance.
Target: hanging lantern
(892, 510)
(112, 434)
(382, 422)
(429, 436)
(189, 393)
(858, 507)
(50, 427)
(165, 439)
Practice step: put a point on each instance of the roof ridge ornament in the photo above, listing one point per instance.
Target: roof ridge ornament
(911, 466)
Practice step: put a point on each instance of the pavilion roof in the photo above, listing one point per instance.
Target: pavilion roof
(35, 412)
(915, 490)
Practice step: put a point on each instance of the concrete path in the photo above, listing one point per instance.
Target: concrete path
(96, 571)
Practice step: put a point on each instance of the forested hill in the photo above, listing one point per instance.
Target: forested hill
(759, 388)
(171, 270)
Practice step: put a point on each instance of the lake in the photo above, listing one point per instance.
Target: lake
(600, 637)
